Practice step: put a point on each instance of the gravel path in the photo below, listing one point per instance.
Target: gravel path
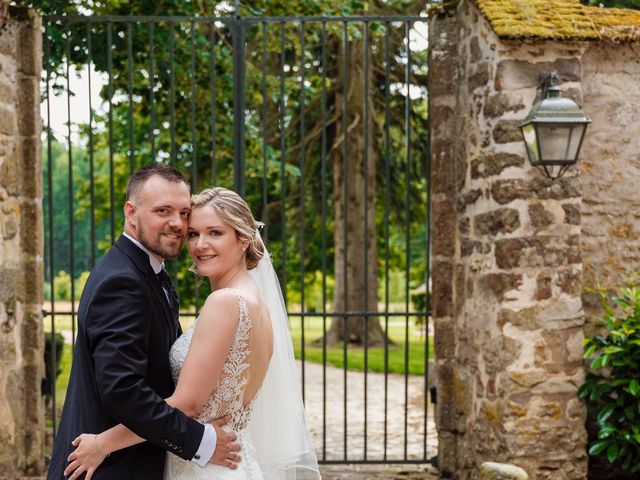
(334, 447)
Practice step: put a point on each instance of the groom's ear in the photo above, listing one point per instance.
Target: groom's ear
(129, 212)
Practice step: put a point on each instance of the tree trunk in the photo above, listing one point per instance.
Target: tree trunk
(356, 289)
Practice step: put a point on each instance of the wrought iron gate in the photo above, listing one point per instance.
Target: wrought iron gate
(321, 123)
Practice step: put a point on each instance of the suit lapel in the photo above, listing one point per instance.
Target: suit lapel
(141, 260)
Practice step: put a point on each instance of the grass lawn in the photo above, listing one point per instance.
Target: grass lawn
(356, 355)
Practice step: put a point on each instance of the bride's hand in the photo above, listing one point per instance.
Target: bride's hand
(87, 456)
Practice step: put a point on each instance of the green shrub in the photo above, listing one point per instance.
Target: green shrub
(612, 389)
(49, 383)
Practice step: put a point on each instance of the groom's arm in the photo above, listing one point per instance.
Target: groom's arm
(118, 325)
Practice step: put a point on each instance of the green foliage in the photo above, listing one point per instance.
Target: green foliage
(62, 286)
(612, 389)
(52, 371)
(634, 4)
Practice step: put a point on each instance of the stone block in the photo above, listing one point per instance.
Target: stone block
(478, 76)
(501, 471)
(570, 282)
(543, 286)
(9, 172)
(468, 198)
(444, 341)
(29, 107)
(443, 170)
(501, 221)
(505, 191)
(539, 216)
(443, 229)
(464, 225)
(9, 218)
(469, 247)
(537, 252)
(31, 232)
(527, 377)
(447, 453)
(8, 120)
(494, 163)
(514, 74)
(444, 68)
(442, 292)
(507, 131)
(500, 283)
(500, 103)
(30, 39)
(571, 213)
(31, 167)
(475, 50)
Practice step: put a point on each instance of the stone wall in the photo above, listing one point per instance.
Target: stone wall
(507, 265)
(21, 249)
(610, 167)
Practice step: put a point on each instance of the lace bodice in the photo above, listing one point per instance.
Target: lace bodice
(228, 397)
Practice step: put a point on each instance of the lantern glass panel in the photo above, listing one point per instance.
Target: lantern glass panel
(560, 143)
(529, 134)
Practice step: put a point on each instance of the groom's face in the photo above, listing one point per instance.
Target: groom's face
(159, 214)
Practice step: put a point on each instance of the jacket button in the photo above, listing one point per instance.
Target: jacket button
(196, 456)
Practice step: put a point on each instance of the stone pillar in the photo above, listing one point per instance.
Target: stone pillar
(21, 248)
(507, 269)
(443, 111)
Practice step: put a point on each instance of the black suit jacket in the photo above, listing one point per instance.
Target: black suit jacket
(120, 371)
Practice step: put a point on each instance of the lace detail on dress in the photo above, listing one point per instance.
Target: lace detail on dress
(228, 398)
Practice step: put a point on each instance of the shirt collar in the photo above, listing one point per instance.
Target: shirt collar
(155, 264)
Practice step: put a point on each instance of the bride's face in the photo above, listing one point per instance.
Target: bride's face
(213, 245)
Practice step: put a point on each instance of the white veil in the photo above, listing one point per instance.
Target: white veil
(277, 426)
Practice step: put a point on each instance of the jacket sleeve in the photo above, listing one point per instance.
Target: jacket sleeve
(118, 327)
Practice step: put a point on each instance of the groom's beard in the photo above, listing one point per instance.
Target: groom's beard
(160, 244)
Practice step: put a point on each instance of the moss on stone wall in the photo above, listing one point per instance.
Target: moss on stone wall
(559, 20)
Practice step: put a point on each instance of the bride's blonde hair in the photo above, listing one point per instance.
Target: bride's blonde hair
(235, 212)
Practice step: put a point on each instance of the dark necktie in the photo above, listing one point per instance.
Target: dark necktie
(172, 295)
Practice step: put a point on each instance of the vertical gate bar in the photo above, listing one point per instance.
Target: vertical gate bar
(67, 48)
(212, 88)
(172, 93)
(132, 162)
(426, 279)
(47, 55)
(110, 93)
(265, 130)
(238, 103)
(407, 126)
(152, 82)
(387, 183)
(283, 179)
(366, 225)
(323, 167)
(302, 191)
(345, 172)
(92, 191)
(194, 139)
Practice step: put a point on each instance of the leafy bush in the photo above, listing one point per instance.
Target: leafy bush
(612, 389)
(52, 372)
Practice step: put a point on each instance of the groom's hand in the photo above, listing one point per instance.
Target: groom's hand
(226, 453)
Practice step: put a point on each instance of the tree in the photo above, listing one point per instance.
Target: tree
(154, 104)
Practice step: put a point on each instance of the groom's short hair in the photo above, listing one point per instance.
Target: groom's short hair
(143, 174)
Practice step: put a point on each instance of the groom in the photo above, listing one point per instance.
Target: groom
(127, 322)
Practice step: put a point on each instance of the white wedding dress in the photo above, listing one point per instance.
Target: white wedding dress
(228, 399)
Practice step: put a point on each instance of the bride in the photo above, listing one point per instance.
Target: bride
(236, 361)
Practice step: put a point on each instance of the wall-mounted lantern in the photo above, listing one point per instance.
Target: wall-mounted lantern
(554, 130)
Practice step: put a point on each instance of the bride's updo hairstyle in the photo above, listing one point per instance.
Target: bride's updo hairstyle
(235, 212)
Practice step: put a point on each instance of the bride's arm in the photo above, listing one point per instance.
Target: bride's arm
(210, 346)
